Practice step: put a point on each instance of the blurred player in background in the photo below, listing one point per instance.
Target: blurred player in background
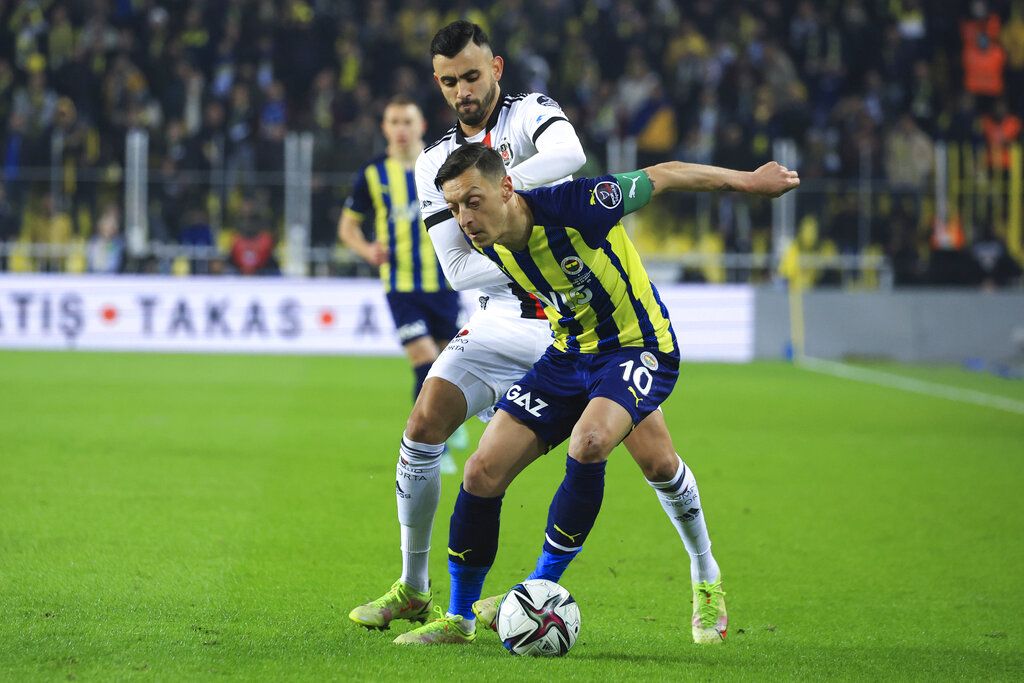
(425, 309)
(614, 359)
(508, 333)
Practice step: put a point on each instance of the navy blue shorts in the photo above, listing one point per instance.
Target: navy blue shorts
(551, 397)
(425, 314)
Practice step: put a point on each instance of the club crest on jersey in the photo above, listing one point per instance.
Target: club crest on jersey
(607, 194)
(571, 265)
(649, 360)
(505, 150)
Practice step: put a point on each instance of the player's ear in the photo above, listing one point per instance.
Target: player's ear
(437, 81)
(497, 67)
(507, 188)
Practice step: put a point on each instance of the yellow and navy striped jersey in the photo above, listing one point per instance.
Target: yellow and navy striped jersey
(388, 190)
(584, 269)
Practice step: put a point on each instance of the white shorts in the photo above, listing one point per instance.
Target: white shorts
(490, 353)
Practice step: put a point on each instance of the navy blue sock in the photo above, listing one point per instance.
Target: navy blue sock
(421, 376)
(571, 516)
(472, 546)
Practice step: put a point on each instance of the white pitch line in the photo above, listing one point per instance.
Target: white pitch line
(916, 386)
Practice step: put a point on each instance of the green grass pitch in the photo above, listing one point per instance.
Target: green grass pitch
(185, 517)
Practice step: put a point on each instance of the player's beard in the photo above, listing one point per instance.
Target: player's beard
(479, 115)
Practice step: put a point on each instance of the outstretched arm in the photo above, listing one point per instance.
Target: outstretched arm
(770, 180)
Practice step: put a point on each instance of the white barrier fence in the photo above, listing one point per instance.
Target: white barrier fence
(285, 315)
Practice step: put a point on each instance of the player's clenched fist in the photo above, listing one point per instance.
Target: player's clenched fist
(773, 180)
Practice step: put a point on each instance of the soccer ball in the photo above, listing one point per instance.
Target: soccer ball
(538, 618)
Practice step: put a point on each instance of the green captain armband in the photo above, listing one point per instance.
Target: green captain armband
(636, 190)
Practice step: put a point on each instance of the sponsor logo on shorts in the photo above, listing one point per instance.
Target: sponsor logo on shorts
(531, 405)
(483, 302)
(608, 194)
(412, 330)
(459, 341)
(649, 360)
(571, 265)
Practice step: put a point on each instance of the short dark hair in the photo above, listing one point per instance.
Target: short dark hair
(401, 100)
(475, 155)
(454, 37)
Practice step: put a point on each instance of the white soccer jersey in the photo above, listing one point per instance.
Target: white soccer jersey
(513, 129)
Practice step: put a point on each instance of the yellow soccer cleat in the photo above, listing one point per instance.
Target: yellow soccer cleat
(486, 611)
(444, 629)
(710, 620)
(401, 602)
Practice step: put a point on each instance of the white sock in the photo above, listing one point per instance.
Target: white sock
(681, 501)
(417, 489)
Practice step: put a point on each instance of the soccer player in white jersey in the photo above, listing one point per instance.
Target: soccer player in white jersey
(508, 333)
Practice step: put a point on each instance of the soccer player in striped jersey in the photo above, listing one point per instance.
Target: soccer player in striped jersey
(613, 361)
(506, 335)
(425, 309)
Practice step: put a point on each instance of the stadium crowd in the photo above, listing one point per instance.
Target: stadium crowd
(865, 89)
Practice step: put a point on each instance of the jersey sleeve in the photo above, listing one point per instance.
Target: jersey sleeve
(359, 200)
(591, 205)
(538, 113)
(433, 207)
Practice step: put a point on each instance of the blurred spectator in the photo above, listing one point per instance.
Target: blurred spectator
(50, 225)
(105, 252)
(14, 158)
(78, 145)
(1001, 130)
(984, 60)
(241, 129)
(252, 250)
(996, 268)
(909, 155)
(60, 39)
(36, 103)
(197, 234)
(9, 225)
(1013, 41)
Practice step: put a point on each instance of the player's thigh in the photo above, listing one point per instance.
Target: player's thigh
(548, 399)
(487, 356)
(601, 427)
(506, 448)
(478, 388)
(637, 379)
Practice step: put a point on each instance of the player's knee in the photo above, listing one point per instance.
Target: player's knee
(424, 427)
(658, 465)
(480, 478)
(592, 445)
